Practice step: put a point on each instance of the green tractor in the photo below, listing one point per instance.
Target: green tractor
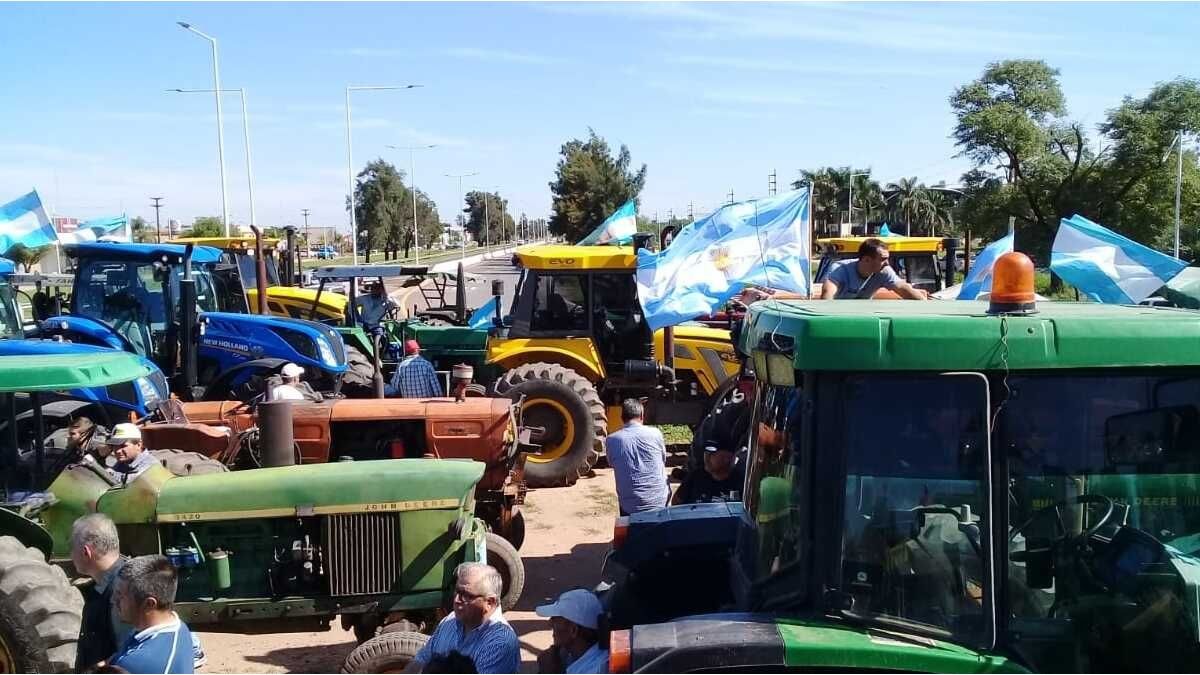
(939, 487)
(283, 548)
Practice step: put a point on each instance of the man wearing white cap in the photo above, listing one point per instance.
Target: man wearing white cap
(132, 459)
(290, 389)
(574, 624)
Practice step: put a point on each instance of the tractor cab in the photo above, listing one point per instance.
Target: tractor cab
(940, 487)
(918, 260)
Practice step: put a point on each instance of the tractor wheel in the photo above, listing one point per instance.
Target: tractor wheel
(386, 653)
(516, 530)
(183, 463)
(40, 612)
(359, 380)
(475, 390)
(506, 560)
(567, 406)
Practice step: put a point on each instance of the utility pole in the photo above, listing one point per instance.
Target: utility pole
(157, 226)
(771, 184)
(1178, 189)
(730, 195)
(691, 215)
(487, 225)
(305, 212)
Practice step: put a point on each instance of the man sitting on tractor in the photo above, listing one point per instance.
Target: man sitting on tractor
(374, 307)
(720, 481)
(862, 277)
(132, 459)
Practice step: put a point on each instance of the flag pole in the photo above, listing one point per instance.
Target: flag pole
(811, 238)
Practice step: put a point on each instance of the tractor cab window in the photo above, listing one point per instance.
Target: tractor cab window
(126, 295)
(560, 303)
(1104, 529)
(915, 503)
(248, 267)
(919, 270)
(620, 328)
(10, 319)
(773, 496)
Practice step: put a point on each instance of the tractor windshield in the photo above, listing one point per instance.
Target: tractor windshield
(248, 268)
(10, 318)
(1104, 519)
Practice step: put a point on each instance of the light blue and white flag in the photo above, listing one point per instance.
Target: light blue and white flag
(762, 242)
(618, 228)
(24, 221)
(979, 279)
(96, 228)
(482, 317)
(1106, 266)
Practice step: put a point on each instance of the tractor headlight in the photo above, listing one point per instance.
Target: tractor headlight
(150, 393)
(326, 350)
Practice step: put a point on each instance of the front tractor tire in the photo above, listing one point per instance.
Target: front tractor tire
(40, 612)
(566, 405)
(385, 653)
(359, 380)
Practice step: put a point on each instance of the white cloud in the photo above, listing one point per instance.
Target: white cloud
(500, 55)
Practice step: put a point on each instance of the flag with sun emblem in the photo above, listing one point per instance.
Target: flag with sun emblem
(760, 242)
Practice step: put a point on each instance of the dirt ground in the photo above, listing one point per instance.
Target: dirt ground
(568, 533)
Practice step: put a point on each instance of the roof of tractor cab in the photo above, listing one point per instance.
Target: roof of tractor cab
(894, 244)
(560, 257)
(227, 243)
(119, 251)
(863, 335)
(45, 365)
(7, 266)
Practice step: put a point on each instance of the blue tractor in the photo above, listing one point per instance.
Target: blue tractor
(184, 309)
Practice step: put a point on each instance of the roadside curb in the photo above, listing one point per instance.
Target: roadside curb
(451, 266)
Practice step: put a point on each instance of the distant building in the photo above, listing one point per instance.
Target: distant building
(65, 224)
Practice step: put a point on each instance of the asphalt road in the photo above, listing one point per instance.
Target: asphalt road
(479, 284)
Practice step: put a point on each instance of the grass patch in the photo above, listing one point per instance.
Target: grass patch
(602, 498)
(1068, 293)
(676, 434)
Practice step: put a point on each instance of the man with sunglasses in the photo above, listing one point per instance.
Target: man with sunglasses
(477, 628)
(861, 278)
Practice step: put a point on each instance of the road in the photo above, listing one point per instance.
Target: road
(479, 287)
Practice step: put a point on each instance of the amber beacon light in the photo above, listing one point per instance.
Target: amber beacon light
(1012, 285)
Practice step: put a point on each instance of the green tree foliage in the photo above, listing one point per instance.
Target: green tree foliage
(141, 231)
(26, 257)
(590, 184)
(498, 226)
(379, 199)
(207, 226)
(906, 204)
(1035, 164)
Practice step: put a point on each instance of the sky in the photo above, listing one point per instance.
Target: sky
(713, 97)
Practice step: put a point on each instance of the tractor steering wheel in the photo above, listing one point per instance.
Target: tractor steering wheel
(1075, 540)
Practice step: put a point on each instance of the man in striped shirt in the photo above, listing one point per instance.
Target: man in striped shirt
(145, 594)
(477, 628)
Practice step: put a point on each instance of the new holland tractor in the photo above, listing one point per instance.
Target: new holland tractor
(282, 548)
(939, 487)
(180, 307)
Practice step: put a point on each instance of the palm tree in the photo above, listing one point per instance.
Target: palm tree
(27, 257)
(909, 202)
(831, 194)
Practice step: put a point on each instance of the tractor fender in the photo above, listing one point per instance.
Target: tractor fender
(90, 330)
(578, 355)
(26, 531)
(222, 383)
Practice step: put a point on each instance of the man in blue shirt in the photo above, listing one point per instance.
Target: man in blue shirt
(414, 376)
(860, 278)
(477, 628)
(574, 625)
(145, 594)
(373, 307)
(638, 456)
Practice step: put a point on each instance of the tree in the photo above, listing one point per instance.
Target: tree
(141, 232)
(909, 202)
(207, 226)
(590, 184)
(498, 226)
(831, 196)
(379, 199)
(26, 257)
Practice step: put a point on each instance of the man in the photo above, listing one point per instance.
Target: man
(95, 552)
(860, 278)
(721, 479)
(132, 459)
(575, 627)
(373, 307)
(638, 456)
(414, 376)
(80, 435)
(289, 390)
(477, 628)
(145, 594)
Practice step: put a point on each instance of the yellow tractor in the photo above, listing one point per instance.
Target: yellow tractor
(918, 260)
(282, 300)
(576, 344)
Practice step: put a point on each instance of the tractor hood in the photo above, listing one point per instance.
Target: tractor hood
(320, 489)
(247, 335)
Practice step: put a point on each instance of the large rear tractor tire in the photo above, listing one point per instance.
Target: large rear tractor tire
(359, 380)
(183, 463)
(566, 404)
(40, 612)
(385, 653)
(506, 560)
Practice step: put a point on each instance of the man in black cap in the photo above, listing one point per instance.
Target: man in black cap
(720, 481)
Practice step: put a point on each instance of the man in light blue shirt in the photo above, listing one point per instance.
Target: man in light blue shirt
(858, 279)
(574, 625)
(638, 455)
(476, 628)
(372, 308)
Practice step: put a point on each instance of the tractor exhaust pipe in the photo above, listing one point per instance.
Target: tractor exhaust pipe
(188, 323)
(460, 296)
(950, 245)
(260, 264)
(293, 258)
(377, 380)
(275, 433)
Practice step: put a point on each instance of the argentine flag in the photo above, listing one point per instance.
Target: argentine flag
(618, 228)
(96, 228)
(762, 242)
(24, 221)
(1106, 266)
(979, 279)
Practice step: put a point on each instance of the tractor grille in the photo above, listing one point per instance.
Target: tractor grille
(364, 553)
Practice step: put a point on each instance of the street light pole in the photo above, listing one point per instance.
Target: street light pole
(412, 178)
(350, 160)
(220, 121)
(462, 233)
(245, 139)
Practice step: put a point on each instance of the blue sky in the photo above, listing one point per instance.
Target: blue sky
(712, 96)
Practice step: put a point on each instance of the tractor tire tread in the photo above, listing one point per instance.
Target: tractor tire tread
(40, 611)
(387, 651)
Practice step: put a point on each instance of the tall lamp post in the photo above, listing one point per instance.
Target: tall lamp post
(350, 157)
(246, 141)
(462, 234)
(220, 121)
(412, 178)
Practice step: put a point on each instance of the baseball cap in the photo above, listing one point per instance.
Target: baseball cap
(411, 347)
(124, 432)
(713, 447)
(580, 607)
(292, 370)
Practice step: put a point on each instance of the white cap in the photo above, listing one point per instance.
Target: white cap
(580, 607)
(124, 432)
(292, 370)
